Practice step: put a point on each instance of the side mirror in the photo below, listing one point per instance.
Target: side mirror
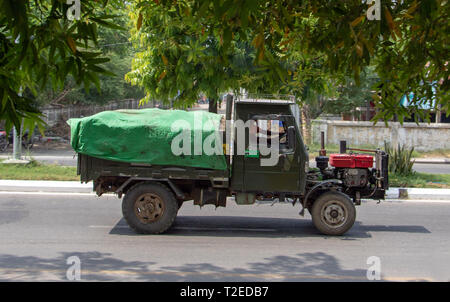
(291, 137)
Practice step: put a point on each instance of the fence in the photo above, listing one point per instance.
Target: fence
(53, 115)
(422, 136)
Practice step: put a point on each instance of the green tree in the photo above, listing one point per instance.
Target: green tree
(350, 95)
(311, 84)
(115, 45)
(177, 61)
(40, 45)
(408, 46)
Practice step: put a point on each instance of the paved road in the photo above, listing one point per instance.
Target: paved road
(432, 168)
(63, 157)
(38, 232)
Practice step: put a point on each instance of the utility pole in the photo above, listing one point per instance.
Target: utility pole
(17, 139)
(17, 145)
(438, 114)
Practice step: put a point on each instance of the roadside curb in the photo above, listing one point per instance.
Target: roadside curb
(77, 187)
(431, 160)
(418, 193)
(44, 186)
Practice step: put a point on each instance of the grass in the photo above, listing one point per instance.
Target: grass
(420, 180)
(37, 171)
(434, 153)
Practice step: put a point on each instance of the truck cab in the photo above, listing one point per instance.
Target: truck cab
(284, 175)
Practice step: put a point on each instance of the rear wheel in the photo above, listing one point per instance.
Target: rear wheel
(333, 213)
(149, 208)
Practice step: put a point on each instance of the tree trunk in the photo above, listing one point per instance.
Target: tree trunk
(60, 97)
(367, 111)
(306, 124)
(212, 106)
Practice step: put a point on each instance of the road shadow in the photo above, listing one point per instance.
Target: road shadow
(239, 226)
(396, 228)
(96, 266)
(318, 266)
(93, 267)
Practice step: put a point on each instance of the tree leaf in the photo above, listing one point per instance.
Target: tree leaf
(139, 22)
(357, 21)
(162, 76)
(165, 61)
(71, 44)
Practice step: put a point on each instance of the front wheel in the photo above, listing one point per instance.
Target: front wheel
(333, 213)
(149, 208)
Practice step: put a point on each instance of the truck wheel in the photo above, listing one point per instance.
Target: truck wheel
(333, 213)
(149, 208)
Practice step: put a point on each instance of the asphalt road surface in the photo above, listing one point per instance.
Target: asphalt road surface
(432, 168)
(63, 157)
(40, 232)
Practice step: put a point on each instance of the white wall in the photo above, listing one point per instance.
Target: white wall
(422, 137)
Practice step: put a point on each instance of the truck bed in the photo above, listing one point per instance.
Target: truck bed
(91, 168)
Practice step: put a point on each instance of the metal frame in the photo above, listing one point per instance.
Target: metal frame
(175, 189)
(314, 188)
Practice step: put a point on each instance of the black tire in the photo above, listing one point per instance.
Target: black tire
(333, 213)
(27, 146)
(3, 145)
(149, 208)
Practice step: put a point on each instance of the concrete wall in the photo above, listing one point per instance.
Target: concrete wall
(422, 137)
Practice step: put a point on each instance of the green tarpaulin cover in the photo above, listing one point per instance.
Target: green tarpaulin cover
(147, 135)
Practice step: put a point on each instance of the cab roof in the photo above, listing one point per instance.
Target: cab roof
(266, 101)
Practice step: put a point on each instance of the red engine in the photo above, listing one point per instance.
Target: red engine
(352, 169)
(351, 161)
(356, 172)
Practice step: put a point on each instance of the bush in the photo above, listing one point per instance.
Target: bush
(399, 159)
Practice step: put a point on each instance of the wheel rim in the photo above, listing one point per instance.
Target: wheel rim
(334, 213)
(149, 208)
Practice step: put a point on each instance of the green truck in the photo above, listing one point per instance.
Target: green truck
(154, 191)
